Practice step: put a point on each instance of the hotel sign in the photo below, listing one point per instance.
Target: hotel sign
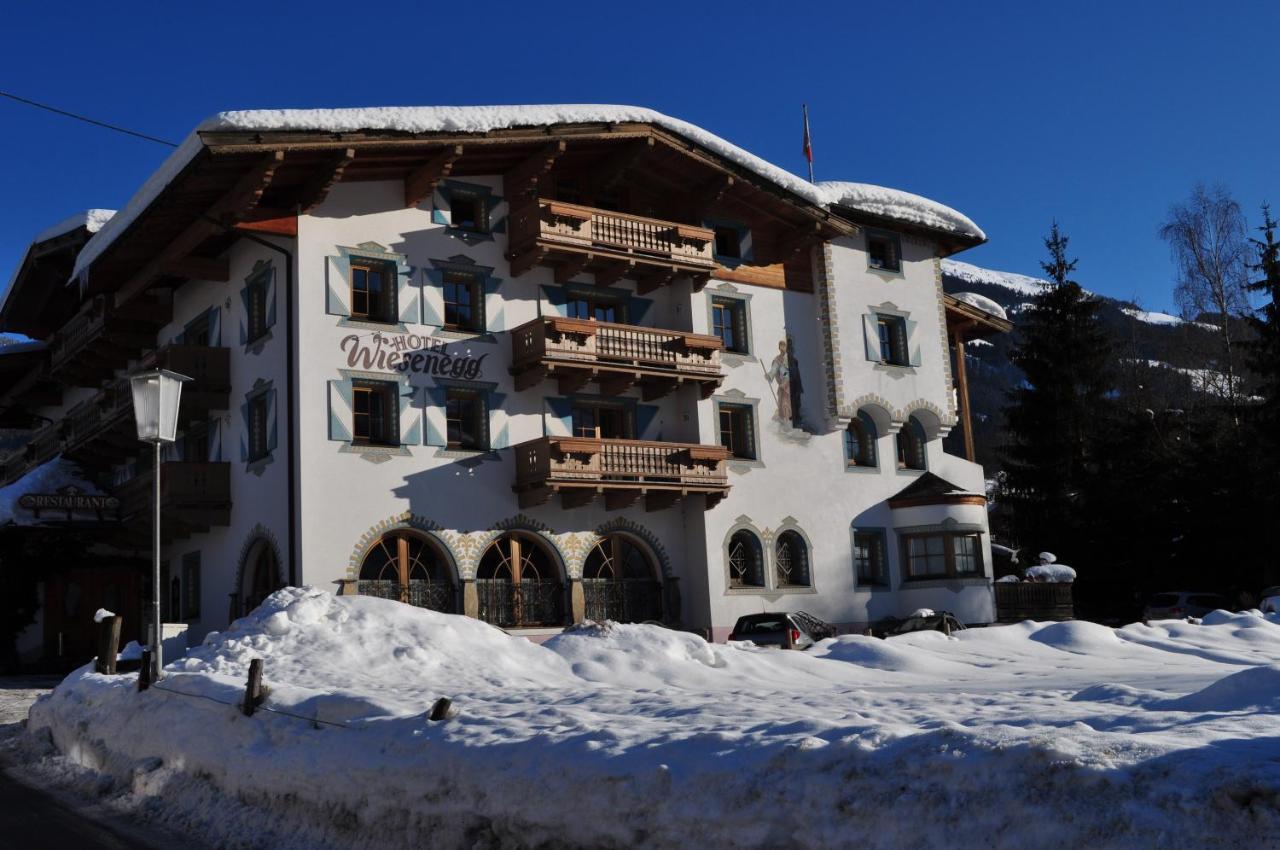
(410, 354)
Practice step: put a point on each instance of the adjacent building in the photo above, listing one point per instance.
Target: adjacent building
(530, 364)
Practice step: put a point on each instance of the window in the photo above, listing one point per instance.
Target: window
(746, 560)
(373, 290)
(518, 584)
(729, 322)
(465, 416)
(728, 242)
(408, 567)
(892, 335)
(942, 555)
(860, 442)
(467, 211)
(601, 309)
(258, 427)
(195, 441)
(601, 422)
(737, 433)
(791, 560)
(197, 331)
(884, 252)
(463, 306)
(619, 582)
(869, 559)
(191, 586)
(374, 413)
(256, 306)
(911, 440)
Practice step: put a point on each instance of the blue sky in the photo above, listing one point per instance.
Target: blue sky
(1098, 114)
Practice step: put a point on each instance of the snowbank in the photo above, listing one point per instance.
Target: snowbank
(899, 206)
(636, 736)
(982, 302)
(1051, 572)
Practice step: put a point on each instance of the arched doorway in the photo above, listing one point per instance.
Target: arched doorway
(518, 583)
(260, 575)
(620, 582)
(405, 565)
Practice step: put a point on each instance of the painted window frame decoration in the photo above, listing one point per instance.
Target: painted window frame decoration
(487, 200)
(496, 420)
(729, 293)
(880, 539)
(911, 354)
(408, 301)
(490, 307)
(748, 408)
(893, 242)
(263, 392)
(861, 443)
(342, 420)
(262, 279)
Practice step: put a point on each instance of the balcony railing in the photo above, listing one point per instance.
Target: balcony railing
(208, 367)
(608, 242)
(579, 350)
(101, 337)
(579, 468)
(194, 497)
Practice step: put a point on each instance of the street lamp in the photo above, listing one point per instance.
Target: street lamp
(156, 394)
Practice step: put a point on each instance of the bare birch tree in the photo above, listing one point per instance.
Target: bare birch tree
(1207, 236)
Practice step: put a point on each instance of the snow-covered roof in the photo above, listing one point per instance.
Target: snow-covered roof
(875, 200)
(900, 206)
(91, 220)
(49, 477)
(982, 302)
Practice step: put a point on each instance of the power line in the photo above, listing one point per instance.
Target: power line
(87, 120)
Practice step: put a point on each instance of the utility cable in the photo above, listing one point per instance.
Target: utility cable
(86, 119)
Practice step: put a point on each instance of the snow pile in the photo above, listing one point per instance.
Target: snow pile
(49, 477)
(899, 206)
(613, 736)
(982, 302)
(1051, 573)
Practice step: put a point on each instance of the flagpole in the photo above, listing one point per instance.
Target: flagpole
(808, 145)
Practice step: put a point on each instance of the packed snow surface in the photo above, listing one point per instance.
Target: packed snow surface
(1020, 283)
(900, 206)
(1155, 318)
(482, 119)
(1027, 736)
(982, 302)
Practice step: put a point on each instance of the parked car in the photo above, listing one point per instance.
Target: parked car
(934, 621)
(774, 629)
(1270, 602)
(1182, 603)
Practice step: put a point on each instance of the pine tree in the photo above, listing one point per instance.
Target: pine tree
(1264, 352)
(1058, 416)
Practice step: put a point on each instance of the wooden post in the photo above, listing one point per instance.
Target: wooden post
(787, 641)
(440, 711)
(108, 645)
(144, 672)
(962, 385)
(946, 626)
(253, 688)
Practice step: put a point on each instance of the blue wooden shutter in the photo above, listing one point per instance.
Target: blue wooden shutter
(338, 287)
(913, 342)
(494, 317)
(272, 435)
(499, 421)
(871, 328)
(340, 410)
(407, 296)
(433, 415)
(558, 421)
(410, 418)
(215, 326)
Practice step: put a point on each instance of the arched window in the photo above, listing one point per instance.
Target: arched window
(860, 442)
(911, 441)
(791, 560)
(518, 584)
(746, 560)
(404, 565)
(260, 576)
(620, 583)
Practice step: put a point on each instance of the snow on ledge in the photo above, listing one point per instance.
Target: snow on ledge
(982, 302)
(900, 206)
(90, 220)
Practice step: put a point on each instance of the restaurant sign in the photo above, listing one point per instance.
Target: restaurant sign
(69, 500)
(410, 354)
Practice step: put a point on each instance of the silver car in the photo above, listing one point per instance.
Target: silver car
(1175, 605)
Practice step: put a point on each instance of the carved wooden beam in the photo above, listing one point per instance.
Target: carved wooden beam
(567, 271)
(232, 207)
(200, 268)
(318, 187)
(422, 181)
(615, 165)
(522, 179)
(614, 272)
(656, 280)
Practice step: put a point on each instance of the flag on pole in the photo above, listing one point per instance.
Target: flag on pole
(808, 143)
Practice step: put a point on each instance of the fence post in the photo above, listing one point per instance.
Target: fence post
(108, 645)
(440, 711)
(253, 688)
(144, 673)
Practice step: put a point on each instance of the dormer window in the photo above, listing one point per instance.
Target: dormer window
(884, 252)
(728, 242)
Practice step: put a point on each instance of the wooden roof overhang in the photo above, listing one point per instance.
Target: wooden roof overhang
(971, 322)
(262, 180)
(40, 301)
(931, 489)
(949, 242)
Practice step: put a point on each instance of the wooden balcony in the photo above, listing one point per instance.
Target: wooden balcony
(209, 369)
(611, 245)
(194, 497)
(102, 338)
(579, 469)
(617, 357)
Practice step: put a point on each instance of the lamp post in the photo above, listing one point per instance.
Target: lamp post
(156, 394)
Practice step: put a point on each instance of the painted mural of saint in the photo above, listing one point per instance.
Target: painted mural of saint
(784, 374)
